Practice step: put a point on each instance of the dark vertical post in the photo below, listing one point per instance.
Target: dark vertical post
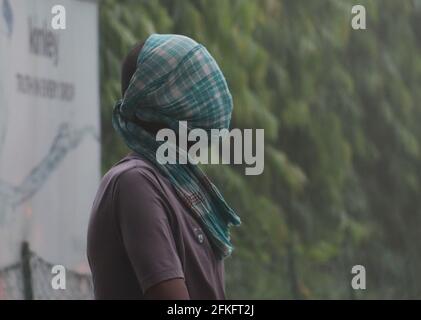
(26, 271)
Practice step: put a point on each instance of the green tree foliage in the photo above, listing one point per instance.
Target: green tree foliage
(341, 114)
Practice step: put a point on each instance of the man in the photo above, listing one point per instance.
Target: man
(161, 231)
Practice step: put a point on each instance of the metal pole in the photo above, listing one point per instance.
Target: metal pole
(26, 271)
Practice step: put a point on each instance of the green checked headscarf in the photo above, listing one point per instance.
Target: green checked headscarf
(176, 79)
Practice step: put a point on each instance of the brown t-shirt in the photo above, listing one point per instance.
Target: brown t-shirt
(140, 234)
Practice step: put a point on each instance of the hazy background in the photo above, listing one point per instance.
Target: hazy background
(341, 112)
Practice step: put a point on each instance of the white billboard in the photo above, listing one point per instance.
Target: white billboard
(49, 129)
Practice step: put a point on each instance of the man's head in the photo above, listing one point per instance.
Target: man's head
(167, 79)
(128, 66)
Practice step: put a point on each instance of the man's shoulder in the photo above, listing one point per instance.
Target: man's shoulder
(135, 185)
(131, 169)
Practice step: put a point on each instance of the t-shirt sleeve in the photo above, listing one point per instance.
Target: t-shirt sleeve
(145, 229)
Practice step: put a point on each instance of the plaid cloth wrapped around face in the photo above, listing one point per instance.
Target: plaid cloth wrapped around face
(177, 79)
